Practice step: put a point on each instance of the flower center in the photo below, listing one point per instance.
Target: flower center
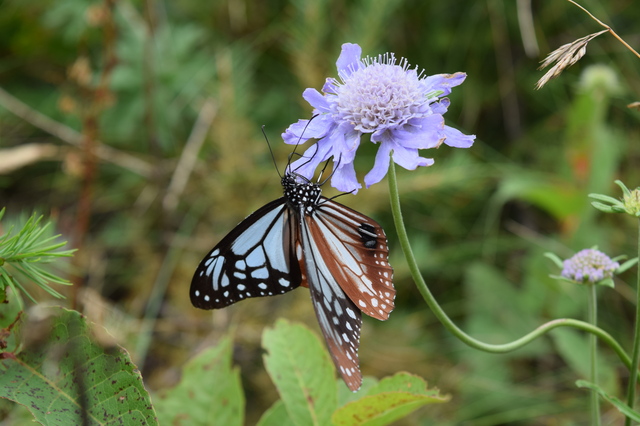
(381, 95)
(589, 266)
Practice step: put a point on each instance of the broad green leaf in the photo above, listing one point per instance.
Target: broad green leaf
(276, 415)
(210, 392)
(390, 400)
(64, 378)
(345, 394)
(621, 406)
(302, 371)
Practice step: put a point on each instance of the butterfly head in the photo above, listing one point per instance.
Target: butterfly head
(301, 193)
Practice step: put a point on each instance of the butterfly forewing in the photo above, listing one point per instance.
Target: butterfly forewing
(356, 253)
(255, 259)
(339, 319)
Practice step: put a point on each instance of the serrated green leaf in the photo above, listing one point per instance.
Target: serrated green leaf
(210, 390)
(621, 406)
(390, 400)
(302, 371)
(64, 378)
(276, 415)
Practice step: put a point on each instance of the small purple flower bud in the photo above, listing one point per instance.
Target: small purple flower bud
(589, 266)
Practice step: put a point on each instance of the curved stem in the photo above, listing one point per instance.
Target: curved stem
(450, 325)
(631, 392)
(592, 317)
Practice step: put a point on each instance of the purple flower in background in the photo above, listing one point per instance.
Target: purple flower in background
(400, 108)
(589, 266)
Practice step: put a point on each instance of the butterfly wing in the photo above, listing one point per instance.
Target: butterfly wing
(339, 319)
(345, 264)
(255, 259)
(359, 256)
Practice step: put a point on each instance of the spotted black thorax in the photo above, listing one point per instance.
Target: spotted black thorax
(305, 195)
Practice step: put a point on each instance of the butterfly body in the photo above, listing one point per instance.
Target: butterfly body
(305, 239)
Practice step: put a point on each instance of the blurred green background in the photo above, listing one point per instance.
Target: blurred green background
(136, 127)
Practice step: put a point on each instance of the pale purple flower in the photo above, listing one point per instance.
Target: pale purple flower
(589, 266)
(398, 106)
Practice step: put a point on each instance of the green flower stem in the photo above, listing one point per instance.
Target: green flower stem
(449, 324)
(631, 392)
(592, 317)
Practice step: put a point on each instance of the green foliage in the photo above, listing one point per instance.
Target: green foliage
(64, 377)
(276, 415)
(25, 252)
(302, 370)
(210, 389)
(479, 219)
(620, 406)
(388, 401)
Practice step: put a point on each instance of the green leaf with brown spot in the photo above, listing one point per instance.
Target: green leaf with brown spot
(390, 400)
(65, 378)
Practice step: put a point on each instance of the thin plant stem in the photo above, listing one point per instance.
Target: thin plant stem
(631, 392)
(592, 317)
(613, 33)
(451, 326)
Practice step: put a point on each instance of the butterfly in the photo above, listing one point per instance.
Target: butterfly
(305, 239)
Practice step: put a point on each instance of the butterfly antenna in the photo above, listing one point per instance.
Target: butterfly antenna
(326, 164)
(273, 157)
(336, 164)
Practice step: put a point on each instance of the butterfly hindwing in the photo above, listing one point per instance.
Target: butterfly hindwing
(339, 319)
(346, 268)
(255, 259)
(357, 256)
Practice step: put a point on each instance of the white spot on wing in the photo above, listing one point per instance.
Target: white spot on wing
(261, 273)
(284, 283)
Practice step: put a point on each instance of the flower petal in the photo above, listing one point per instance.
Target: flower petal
(303, 130)
(381, 165)
(443, 82)
(456, 139)
(409, 158)
(316, 100)
(441, 106)
(344, 179)
(330, 85)
(349, 59)
(421, 133)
